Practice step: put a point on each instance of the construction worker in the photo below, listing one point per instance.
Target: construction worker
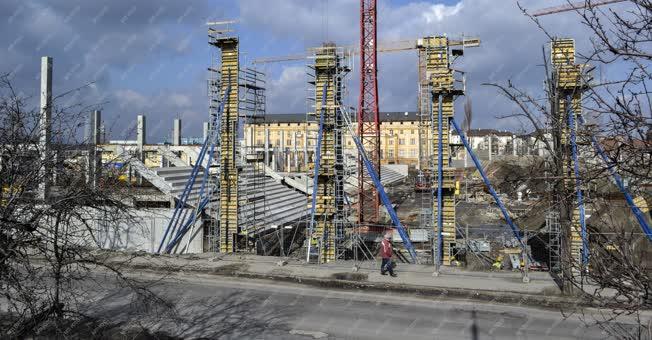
(386, 255)
(498, 264)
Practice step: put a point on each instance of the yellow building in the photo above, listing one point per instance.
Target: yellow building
(295, 139)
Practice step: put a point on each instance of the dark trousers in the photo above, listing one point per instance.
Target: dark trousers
(386, 266)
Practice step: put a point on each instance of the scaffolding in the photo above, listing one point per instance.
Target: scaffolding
(554, 241)
(252, 201)
(327, 76)
(435, 67)
(569, 84)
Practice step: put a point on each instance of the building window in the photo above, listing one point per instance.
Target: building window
(413, 153)
(391, 132)
(288, 142)
(390, 153)
(277, 143)
(401, 141)
(412, 131)
(259, 133)
(391, 142)
(413, 141)
(259, 142)
(401, 153)
(401, 131)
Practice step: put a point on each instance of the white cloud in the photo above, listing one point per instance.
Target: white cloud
(438, 12)
(510, 49)
(288, 91)
(130, 99)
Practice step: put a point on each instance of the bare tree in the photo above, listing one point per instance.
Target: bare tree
(618, 275)
(48, 249)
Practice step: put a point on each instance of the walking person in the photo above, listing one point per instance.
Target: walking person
(386, 254)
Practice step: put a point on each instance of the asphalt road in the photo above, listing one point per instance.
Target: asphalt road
(215, 307)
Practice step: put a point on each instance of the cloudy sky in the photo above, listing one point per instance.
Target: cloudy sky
(151, 56)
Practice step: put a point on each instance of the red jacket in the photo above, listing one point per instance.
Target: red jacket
(385, 249)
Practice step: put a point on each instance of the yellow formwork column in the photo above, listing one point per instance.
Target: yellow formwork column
(327, 64)
(228, 219)
(569, 84)
(440, 77)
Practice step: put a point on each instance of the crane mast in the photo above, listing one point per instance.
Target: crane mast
(368, 117)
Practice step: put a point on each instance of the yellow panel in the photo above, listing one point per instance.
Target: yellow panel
(326, 68)
(229, 172)
(563, 52)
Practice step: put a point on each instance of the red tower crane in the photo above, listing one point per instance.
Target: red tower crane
(368, 117)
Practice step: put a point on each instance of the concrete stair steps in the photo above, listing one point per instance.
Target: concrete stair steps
(272, 214)
(274, 208)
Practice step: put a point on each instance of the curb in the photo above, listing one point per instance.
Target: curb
(238, 270)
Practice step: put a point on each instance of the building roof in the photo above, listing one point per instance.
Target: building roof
(486, 132)
(273, 118)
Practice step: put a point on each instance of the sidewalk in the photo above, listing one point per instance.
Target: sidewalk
(505, 287)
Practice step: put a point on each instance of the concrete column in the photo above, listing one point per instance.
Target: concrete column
(305, 150)
(206, 128)
(282, 153)
(491, 142)
(176, 133)
(45, 127)
(267, 147)
(141, 132)
(141, 140)
(514, 146)
(296, 154)
(94, 156)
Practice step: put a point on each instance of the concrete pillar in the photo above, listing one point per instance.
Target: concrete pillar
(282, 154)
(296, 154)
(305, 150)
(206, 128)
(491, 142)
(176, 132)
(94, 156)
(45, 127)
(267, 147)
(141, 132)
(514, 146)
(141, 140)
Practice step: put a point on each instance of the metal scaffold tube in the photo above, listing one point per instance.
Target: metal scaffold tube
(440, 182)
(315, 179)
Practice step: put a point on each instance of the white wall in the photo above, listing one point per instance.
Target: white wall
(143, 233)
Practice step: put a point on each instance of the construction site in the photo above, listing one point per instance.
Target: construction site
(317, 191)
(323, 187)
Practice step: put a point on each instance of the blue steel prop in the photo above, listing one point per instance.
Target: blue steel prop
(203, 200)
(320, 136)
(645, 227)
(493, 193)
(381, 191)
(180, 214)
(578, 181)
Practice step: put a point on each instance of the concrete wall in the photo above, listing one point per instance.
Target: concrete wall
(144, 233)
